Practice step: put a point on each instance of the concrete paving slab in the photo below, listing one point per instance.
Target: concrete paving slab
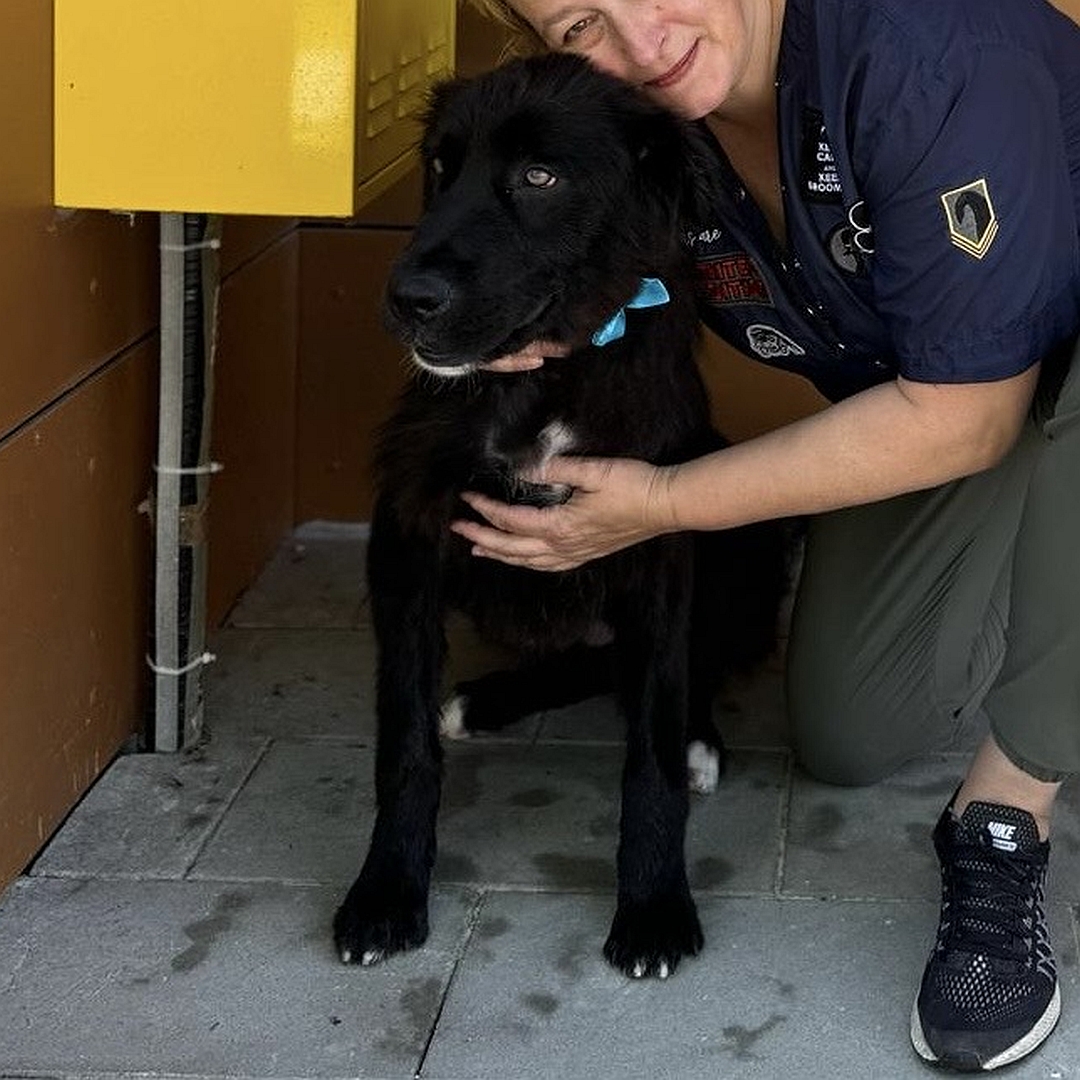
(315, 579)
(1063, 877)
(782, 989)
(596, 720)
(871, 841)
(751, 710)
(543, 817)
(304, 816)
(819, 903)
(733, 838)
(193, 979)
(876, 841)
(291, 683)
(548, 818)
(319, 682)
(149, 815)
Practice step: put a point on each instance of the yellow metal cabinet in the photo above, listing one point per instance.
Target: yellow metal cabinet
(293, 107)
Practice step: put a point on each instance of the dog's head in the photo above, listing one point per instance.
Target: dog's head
(551, 190)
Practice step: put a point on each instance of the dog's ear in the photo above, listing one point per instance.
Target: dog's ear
(705, 195)
(437, 128)
(664, 161)
(679, 159)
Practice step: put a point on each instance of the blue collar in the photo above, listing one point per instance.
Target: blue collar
(651, 294)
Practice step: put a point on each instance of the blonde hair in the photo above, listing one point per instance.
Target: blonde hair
(523, 39)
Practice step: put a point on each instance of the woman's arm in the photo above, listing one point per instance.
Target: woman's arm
(894, 438)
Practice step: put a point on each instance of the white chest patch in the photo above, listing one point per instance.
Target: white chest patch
(553, 440)
(556, 438)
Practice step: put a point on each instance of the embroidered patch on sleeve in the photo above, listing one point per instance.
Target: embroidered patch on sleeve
(971, 218)
(770, 344)
(732, 279)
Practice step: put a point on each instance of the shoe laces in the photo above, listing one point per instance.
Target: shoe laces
(990, 902)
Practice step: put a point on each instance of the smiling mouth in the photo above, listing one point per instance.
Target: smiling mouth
(674, 74)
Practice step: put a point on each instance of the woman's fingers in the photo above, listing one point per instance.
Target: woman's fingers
(514, 362)
(580, 473)
(527, 359)
(603, 514)
(511, 531)
(518, 535)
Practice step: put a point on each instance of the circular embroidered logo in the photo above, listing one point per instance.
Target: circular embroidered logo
(850, 243)
(842, 249)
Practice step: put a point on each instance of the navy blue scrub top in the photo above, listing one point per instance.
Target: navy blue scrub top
(930, 167)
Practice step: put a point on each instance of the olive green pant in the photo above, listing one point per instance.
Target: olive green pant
(921, 615)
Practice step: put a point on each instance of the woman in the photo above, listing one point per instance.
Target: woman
(903, 230)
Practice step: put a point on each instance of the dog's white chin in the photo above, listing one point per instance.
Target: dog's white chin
(444, 371)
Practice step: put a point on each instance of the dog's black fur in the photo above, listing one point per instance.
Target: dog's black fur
(551, 191)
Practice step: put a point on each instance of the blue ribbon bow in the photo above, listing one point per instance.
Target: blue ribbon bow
(651, 294)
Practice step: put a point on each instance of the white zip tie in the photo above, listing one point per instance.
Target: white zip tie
(157, 669)
(202, 245)
(193, 470)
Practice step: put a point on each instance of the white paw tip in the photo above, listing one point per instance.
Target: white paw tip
(639, 970)
(372, 956)
(664, 971)
(452, 718)
(346, 956)
(703, 768)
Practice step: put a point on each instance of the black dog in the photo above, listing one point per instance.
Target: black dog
(555, 196)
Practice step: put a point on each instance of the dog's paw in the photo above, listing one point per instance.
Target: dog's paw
(452, 718)
(648, 940)
(370, 925)
(702, 767)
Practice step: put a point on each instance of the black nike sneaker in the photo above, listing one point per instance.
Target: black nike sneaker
(990, 993)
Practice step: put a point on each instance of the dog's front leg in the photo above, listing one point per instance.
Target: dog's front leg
(656, 922)
(386, 910)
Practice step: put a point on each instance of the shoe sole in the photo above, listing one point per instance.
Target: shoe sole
(1042, 1028)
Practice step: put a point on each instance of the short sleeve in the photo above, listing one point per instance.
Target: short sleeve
(963, 167)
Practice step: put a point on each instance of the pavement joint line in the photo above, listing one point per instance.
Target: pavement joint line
(258, 759)
(472, 920)
(783, 822)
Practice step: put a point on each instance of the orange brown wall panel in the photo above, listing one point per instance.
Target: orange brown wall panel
(75, 580)
(78, 366)
(254, 407)
(350, 369)
(75, 286)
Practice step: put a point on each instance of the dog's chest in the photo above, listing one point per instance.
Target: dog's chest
(509, 455)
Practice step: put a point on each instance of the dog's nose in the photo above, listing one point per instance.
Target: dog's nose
(418, 297)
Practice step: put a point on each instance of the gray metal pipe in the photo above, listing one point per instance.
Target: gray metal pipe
(190, 273)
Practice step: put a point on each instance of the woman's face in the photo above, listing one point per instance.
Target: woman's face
(690, 55)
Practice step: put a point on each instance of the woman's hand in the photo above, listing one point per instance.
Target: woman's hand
(893, 438)
(616, 502)
(532, 356)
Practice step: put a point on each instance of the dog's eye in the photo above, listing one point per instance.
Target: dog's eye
(539, 177)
